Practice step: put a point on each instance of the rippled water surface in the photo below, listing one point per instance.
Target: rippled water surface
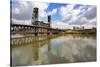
(62, 49)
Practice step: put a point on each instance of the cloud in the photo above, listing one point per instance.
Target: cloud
(22, 10)
(54, 11)
(16, 11)
(69, 9)
(40, 5)
(83, 15)
(44, 18)
(67, 18)
(91, 12)
(42, 8)
(27, 22)
(64, 10)
(68, 13)
(59, 25)
(93, 21)
(79, 21)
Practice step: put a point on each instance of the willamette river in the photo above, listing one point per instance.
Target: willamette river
(62, 49)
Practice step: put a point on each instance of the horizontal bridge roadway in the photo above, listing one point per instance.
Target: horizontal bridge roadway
(33, 29)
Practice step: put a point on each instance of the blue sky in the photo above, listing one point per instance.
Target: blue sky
(52, 6)
(57, 16)
(63, 15)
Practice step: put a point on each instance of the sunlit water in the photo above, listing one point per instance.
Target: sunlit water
(62, 49)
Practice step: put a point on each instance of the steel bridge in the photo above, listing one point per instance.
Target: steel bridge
(33, 29)
(37, 28)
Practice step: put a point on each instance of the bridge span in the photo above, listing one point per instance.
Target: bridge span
(33, 29)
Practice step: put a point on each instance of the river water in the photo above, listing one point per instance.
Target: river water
(61, 49)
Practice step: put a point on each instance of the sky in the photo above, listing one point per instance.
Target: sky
(63, 15)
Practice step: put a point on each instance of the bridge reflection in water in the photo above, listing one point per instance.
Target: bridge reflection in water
(63, 49)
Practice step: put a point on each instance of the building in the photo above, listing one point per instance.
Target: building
(78, 28)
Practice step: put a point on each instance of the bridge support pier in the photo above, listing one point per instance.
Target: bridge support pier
(36, 34)
(49, 33)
